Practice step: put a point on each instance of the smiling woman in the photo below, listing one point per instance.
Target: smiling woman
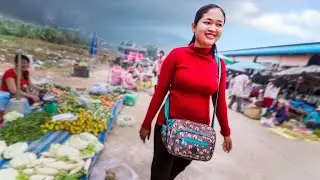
(192, 75)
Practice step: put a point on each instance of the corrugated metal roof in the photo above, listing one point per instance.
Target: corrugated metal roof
(306, 48)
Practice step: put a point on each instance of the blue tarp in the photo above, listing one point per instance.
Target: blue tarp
(301, 105)
(43, 144)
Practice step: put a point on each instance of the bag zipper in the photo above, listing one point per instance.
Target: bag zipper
(186, 140)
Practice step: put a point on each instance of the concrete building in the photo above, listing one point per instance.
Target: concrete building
(130, 46)
(284, 55)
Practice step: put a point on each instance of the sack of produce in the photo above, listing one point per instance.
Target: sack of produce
(116, 74)
(112, 169)
(253, 112)
(85, 101)
(99, 89)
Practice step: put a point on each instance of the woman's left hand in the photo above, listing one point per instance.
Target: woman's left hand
(227, 144)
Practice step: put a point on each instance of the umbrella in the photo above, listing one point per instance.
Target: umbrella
(248, 65)
(231, 67)
(227, 60)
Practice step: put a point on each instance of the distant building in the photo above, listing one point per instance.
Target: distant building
(130, 46)
(284, 55)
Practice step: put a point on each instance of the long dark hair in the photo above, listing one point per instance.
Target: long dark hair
(199, 14)
(25, 74)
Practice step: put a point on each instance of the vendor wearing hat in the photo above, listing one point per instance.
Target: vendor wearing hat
(9, 80)
(312, 121)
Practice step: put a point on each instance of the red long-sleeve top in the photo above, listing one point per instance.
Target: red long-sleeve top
(190, 74)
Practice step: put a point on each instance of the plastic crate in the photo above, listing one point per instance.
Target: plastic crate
(81, 72)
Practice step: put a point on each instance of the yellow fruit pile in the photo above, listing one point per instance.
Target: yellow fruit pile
(145, 85)
(84, 123)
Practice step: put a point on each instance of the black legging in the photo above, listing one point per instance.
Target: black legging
(164, 165)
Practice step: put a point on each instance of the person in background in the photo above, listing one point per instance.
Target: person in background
(128, 80)
(270, 94)
(282, 97)
(9, 80)
(138, 70)
(157, 67)
(278, 112)
(238, 86)
(312, 121)
(190, 75)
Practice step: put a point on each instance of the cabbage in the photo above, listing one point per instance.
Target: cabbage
(8, 174)
(12, 116)
(91, 149)
(64, 150)
(76, 142)
(23, 160)
(22, 175)
(15, 150)
(3, 147)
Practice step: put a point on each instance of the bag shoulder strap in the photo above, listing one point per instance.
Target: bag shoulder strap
(217, 93)
(166, 105)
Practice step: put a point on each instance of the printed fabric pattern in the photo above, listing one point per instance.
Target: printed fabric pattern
(187, 139)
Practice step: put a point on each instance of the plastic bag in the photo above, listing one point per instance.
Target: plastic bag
(85, 102)
(126, 120)
(116, 74)
(116, 166)
(12, 116)
(99, 89)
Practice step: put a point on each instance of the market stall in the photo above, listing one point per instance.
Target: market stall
(58, 146)
(300, 87)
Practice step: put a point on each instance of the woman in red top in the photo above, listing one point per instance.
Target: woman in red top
(9, 79)
(190, 75)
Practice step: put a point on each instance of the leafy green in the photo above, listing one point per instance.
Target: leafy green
(65, 176)
(22, 176)
(317, 132)
(91, 149)
(24, 129)
(64, 158)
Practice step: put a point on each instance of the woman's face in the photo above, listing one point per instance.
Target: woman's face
(209, 28)
(24, 65)
(280, 104)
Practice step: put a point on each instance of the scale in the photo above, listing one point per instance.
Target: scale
(19, 103)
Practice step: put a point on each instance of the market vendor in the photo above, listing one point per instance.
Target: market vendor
(277, 113)
(270, 94)
(9, 80)
(138, 71)
(312, 121)
(282, 97)
(128, 80)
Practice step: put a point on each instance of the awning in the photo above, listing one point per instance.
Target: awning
(299, 70)
(226, 59)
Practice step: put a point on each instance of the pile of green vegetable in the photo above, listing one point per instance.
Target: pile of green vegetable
(317, 132)
(24, 129)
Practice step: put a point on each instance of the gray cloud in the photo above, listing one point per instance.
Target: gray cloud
(144, 21)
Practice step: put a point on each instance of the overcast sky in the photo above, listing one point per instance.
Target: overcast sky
(167, 23)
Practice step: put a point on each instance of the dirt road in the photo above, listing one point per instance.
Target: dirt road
(258, 154)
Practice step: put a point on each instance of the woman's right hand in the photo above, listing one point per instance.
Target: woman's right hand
(144, 133)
